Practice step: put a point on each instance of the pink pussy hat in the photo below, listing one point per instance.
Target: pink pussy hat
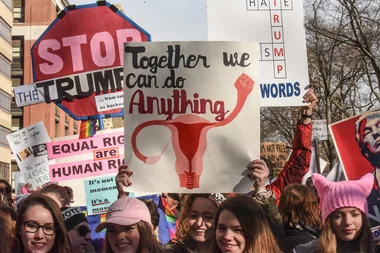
(125, 211)
(335, 195)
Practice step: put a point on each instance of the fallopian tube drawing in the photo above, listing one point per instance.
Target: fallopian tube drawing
(189, 137)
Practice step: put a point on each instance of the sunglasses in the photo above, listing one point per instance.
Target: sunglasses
(83, 231)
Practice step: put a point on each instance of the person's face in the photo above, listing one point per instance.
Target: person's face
(79, 237)
(229, 233)
(371, 134)
(347, 223)
(202, 215)
(55, 197)
(123, 239)
(3, 190)
(37, 242)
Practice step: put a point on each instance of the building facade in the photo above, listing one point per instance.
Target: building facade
(6, 23)
(31, 18)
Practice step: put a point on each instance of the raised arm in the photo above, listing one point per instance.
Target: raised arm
(299, 161)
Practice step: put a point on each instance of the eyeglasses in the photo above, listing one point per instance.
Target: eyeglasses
(33, 228)
(83, 231)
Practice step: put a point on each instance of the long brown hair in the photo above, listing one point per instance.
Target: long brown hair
(147, 242)
(61, 242)
(257, 234)
(183, 220)
(65, 193)
(299, 205)
(7, 233)
(327, 242)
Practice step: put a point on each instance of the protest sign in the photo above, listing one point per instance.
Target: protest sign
(77, 160)
(80, 56)
(279, 28)
(100, 194)
(29, 148)
(358, 148)
(201, 102)
(320, 130)
(276, 155)
(27, 95)
(19, 182)
(83, 158)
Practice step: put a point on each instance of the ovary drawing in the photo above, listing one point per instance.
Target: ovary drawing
(189, 137)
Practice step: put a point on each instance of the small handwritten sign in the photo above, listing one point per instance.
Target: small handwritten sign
(275, 153)
(29, 148)
(320, 130)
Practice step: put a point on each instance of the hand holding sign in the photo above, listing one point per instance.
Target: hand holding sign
(259, 172)
(123, 180)
(307, 110)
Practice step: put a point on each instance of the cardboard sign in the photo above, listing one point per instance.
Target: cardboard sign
(279, 28)
(100, 194)
(276, 153)
(79, 56)
(191, 113)
(29, 148)
(320, 130)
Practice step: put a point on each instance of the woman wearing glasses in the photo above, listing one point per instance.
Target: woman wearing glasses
(77, 228)
(39, 227)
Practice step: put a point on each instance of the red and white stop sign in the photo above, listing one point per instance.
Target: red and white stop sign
(80, 56)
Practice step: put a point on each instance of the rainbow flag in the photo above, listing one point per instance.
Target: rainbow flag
(168, 221)
(87, 128)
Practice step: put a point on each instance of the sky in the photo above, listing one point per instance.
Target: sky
(156, 17)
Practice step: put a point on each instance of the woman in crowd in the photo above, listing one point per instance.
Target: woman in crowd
(39, 227)
(129, 228)
(301, 216)
(7, 219)
(77, 228)
(196, 224)
(63, 195)
(241, 226)
(344, 212)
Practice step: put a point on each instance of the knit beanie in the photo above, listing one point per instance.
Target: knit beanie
(335, 195)
(72, 216)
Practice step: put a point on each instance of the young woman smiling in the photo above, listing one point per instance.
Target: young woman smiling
(39, 227)
(129, 228)
(344, 212)
(196, 224)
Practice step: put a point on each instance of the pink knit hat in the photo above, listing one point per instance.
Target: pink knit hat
(335, 195)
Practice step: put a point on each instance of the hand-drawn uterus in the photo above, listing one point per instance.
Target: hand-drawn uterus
(189, 137)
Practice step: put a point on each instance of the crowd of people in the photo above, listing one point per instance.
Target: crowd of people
(284, 216)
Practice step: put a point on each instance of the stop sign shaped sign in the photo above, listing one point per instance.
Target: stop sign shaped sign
(80, 57)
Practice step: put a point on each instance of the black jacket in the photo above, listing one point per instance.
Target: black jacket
(295, 236)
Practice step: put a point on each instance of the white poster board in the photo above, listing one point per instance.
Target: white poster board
(278, 26)
(191, 116)
(29, 148)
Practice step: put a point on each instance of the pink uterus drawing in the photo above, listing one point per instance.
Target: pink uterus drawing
(189, 137)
